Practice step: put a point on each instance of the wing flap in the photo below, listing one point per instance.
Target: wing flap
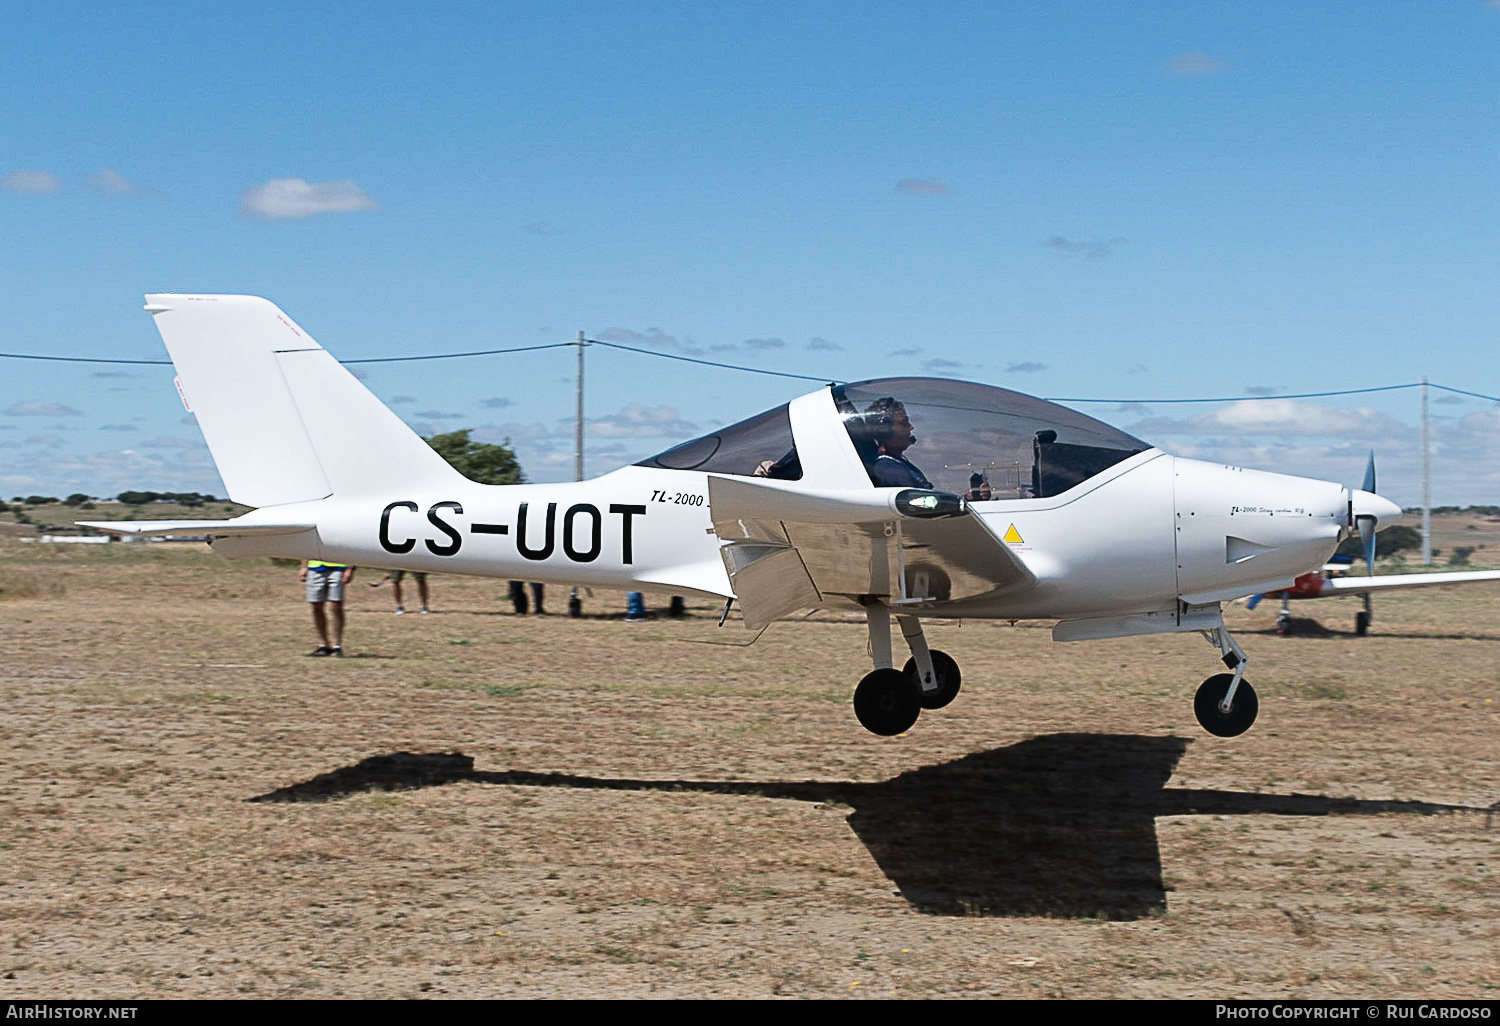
(788, 549)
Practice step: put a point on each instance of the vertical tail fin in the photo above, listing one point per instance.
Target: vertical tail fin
(283, 420)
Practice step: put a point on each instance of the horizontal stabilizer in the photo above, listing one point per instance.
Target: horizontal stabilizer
(212, 528)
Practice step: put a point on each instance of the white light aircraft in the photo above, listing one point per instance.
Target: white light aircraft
(1009, 507)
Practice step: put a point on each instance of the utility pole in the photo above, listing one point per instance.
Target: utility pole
(1426, 484)
(578, 417)
(575, 601)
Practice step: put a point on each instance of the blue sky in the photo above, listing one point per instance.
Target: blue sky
(1069, 199)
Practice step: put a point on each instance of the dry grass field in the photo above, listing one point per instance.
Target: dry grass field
(478, 805)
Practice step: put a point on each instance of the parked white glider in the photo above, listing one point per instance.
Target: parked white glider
(1010, 507)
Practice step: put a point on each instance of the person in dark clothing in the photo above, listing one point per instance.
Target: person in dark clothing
(891, 429)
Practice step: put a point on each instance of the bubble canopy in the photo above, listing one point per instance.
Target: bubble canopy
(981, 441)
(975, 440)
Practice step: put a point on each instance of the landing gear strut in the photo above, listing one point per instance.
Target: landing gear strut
(1226, 704)
(888, 701)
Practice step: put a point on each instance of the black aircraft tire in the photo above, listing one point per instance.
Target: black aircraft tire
(887, 702)
(1240, 716)
(948, 677)
(1361, 624)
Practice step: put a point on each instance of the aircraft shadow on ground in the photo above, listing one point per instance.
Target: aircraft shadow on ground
(1061, 825)
(1304, 627)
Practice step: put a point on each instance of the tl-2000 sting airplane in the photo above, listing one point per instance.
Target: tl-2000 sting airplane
(1010, 507)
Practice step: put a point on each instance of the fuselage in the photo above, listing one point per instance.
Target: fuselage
(1151, 531)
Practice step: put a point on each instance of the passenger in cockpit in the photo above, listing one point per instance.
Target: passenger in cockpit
(890, 428)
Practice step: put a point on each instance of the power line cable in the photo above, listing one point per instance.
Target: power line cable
(706, 363)
(1244, 398)
(785, 374)
(79, 359)
(454, 356)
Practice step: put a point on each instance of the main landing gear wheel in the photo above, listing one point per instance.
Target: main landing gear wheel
(1361, 623)
(1240, 716)
(887, 702)
(1283, 625)
(948, 679)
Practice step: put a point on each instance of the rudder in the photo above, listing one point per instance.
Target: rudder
(283, 420)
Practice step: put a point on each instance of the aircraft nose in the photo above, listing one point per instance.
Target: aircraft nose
(1368, 504)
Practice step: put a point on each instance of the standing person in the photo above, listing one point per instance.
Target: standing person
(395, 577)
(518, 597)
(325, 586)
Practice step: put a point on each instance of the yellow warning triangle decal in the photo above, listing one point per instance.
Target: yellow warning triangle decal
(1013, 536)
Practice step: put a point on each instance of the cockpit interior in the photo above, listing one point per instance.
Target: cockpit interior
(978, 441)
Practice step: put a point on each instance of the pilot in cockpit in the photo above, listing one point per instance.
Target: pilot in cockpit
(890, 428)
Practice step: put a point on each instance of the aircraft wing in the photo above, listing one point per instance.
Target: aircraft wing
(214, 528)
(788, 548)
(1359, 585)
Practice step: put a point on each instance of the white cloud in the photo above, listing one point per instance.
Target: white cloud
(637, 421)
(649, 337)
(31, 183)
(1192, 64)
(1026, 367)
(922, 187)
(36, 409)
(1089, 249)
(111, 184)
(765, 343)
(823, 343)
(496, 402)
(288, 199)
(1281, 417)
(106, 473)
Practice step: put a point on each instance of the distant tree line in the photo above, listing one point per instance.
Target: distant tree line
(181, 498)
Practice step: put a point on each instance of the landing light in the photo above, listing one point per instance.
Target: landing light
(914, 502)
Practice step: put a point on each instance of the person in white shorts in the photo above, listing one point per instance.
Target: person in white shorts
(325, 587)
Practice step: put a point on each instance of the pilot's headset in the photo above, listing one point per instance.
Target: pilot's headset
(880, 418)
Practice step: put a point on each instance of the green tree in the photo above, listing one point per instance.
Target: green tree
(1388, 542)
(478, 461)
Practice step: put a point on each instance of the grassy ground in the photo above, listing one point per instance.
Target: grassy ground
(190, 807)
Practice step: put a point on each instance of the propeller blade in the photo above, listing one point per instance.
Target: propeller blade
(1369, 484)
(1366, 525)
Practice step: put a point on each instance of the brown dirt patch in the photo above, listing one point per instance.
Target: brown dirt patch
(189, 807)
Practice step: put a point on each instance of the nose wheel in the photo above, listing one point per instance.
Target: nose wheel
(1209, 706)
(1226, 705)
